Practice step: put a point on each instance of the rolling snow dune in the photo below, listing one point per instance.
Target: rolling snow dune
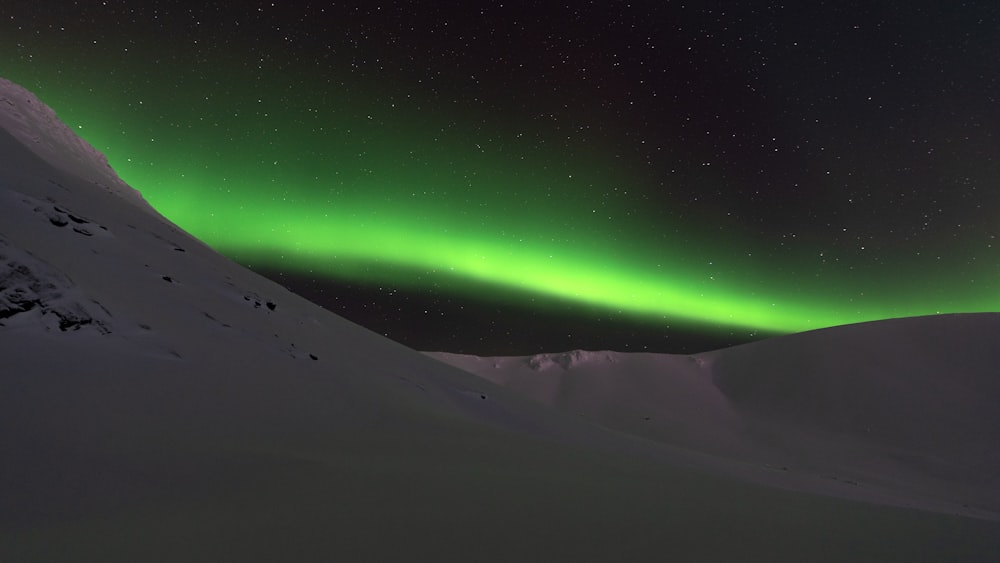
(159, 402)
(903, 408)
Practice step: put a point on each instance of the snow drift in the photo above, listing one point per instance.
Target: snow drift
(905, 406)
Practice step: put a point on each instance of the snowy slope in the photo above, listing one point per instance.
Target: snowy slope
(906, 405)
(36, 126)
(159, 402)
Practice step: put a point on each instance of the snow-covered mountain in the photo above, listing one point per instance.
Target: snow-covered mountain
(159, 402)
(906, 405)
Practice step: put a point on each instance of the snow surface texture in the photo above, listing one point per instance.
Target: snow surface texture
(32, 289)
(159, 402)
(905, 406)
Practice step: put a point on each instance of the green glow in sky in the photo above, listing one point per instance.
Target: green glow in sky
(384, 245)
(412, 198)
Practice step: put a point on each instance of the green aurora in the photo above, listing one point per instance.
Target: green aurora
(415, 197)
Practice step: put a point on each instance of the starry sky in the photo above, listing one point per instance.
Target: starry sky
(516, 177)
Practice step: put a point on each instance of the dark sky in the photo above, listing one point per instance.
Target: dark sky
(512, 177)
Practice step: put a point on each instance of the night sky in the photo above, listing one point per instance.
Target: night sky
(517, 177)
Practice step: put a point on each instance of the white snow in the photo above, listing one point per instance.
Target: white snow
(197, 411)
(903, 407)
(38, 128)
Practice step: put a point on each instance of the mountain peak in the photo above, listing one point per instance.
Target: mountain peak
(37, 127)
